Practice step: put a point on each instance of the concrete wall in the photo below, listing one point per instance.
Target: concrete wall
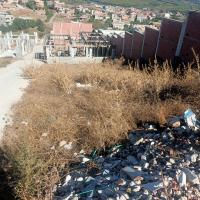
(127, 45)
(149, 43)
(137, 43)
(190, 37)
(168, 39)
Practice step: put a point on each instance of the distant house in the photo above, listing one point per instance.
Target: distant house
(72, 29)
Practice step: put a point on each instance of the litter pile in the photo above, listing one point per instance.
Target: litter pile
(152, 164)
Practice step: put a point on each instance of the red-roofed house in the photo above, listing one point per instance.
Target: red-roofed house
(73, 29)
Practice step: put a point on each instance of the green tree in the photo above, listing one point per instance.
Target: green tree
(31, 4)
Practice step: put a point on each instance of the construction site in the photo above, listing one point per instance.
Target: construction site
(174, 40)
(17, 45)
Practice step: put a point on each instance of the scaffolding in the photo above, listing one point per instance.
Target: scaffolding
(89, 44)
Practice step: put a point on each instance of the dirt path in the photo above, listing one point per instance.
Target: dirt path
(12, 84)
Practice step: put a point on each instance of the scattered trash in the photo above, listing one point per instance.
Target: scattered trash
(83, 86)
(45, 134)
(62, 143)
(68, 146)
(174, 122)
(190, 120)
(151, 164)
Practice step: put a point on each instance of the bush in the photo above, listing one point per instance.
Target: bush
(23, 24)
(31, 4)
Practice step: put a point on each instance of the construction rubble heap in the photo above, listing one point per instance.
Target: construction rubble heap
(153, 163)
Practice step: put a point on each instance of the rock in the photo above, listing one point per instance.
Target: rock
(62, 143)
(67, 179)
(84, 159)
(172, 161)
(146, 165)
(139, 141)
(181, 178)
(194, 157)
(191, 177)
(132, 173)
(80, 179)
(122, 196)
(121, 182)
(132, 183)
(68, 146)
(138, 180)
(174, 122)
(137, 188)
(153, 186)
(45, 134)
(106, 172)
(133, 160)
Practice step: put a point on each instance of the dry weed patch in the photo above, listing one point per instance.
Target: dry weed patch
(54, 111)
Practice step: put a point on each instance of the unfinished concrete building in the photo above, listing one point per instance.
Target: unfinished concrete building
(13, 45)
(69, 40)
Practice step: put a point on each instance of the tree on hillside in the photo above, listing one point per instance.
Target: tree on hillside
(31, 4)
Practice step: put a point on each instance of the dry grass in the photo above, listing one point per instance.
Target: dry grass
(6, 61)
(26, 12)
(53, 109)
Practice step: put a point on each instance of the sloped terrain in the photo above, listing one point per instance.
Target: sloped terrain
(67, 109)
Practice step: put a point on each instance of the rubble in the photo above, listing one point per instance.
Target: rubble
(151, 164)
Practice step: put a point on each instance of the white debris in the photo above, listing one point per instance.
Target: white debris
(25, 123)
(84, 160)
(85, 86)
(181, 178)
(68, 146)
(67, 179)
(62, 143)
(191, 177)
(45, 134)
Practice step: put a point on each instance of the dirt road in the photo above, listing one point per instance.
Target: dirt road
(12, 85)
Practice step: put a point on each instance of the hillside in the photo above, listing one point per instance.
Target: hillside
(181, 5)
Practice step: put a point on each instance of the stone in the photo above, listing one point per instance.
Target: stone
(80, 179)
(106, 172)
(137, 188)
(191, 177)
(45, 134)
(84, 159)
(132, 160)
(68, 146)
(146, 165)
(67, 179)
(194, 157)
(121, 182)
(132, 173)
(122, 196)
(139, 141)
(174, 122)
(62, 143)
(181, 178)
(153, 186)
(138, 180)
(172, 161)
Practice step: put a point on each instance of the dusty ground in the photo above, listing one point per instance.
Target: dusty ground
(11, 85)
(6, 61)
(25, 12)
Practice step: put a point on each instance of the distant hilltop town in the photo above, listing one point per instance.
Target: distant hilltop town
(101, 16)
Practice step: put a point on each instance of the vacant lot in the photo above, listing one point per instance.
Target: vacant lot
(90, 106)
